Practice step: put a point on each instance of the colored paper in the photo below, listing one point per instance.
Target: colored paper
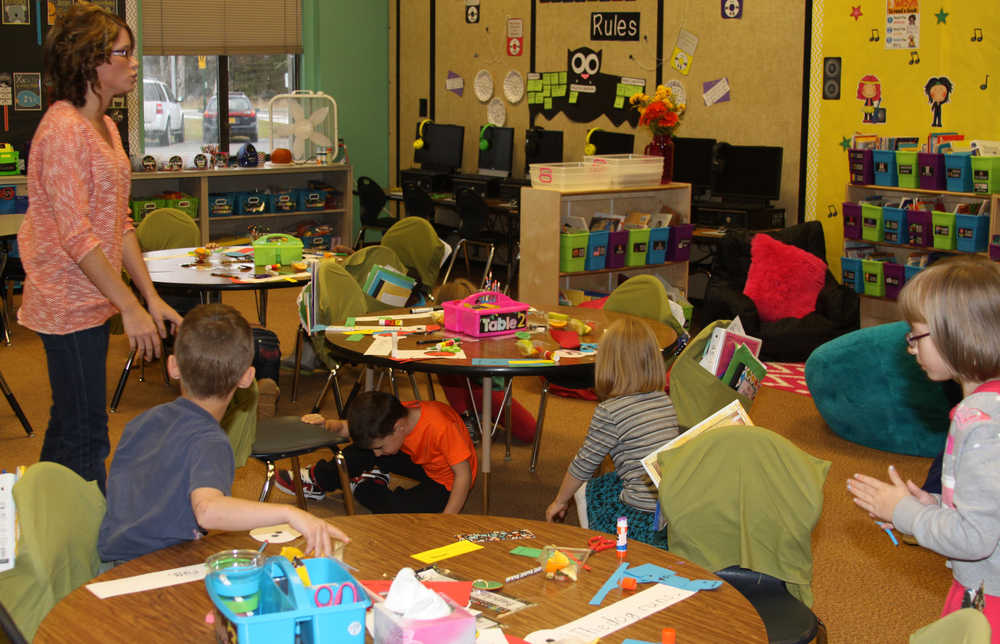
(148, 581)
(611, 583)
(445, 552)
(524, 551)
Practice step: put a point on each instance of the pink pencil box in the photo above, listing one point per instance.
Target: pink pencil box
(485, 314)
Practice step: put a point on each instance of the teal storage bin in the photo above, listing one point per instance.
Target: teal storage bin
(221, 204)
(871, 222)
(972, 233)
(573, 252)
(638, 243)
(287, 611)
(885, 167)
(894, 225)
(659, 239)
(310, 198)
(911, 271)
(597, 251)
(252, 202)
(850, 268)
(283, 201)
(958, 171)
(873, 277)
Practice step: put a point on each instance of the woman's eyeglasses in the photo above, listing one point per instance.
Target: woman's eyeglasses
(122, 53)
(912, 340)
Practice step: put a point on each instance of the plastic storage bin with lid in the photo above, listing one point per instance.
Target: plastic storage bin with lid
(629, 169)
(569, 176)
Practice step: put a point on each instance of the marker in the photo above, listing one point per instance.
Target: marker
(435, 341)
(621, 545)
(523, 574)
(888, 531)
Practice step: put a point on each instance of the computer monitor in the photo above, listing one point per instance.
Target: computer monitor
(442, 149)
(748, 172)
(693, 159)
(612, 142)
(497, 158)
(542, 146)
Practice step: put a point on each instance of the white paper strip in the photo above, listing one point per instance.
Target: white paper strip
(149, 581)
(618, 615)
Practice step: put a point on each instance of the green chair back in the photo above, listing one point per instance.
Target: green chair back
(744, 496)
(420, 250)
(166, 228)
(240, 422)
(645, 297)
(340, 296)
(695, 391)
(59, 515)
(964, 626)
(360, 264)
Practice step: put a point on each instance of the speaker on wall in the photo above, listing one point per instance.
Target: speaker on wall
(831, 78)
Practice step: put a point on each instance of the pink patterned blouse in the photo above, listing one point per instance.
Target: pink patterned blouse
(78, 191)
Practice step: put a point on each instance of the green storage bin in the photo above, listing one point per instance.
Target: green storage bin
(186, 204)
(277, 248)
(638, 246)
(874, 277)
(871, 222)
(943, 227)
(573, 252)
(985, 174)
(906, 169)
(142, 207)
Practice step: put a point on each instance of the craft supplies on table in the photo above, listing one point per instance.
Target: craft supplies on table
(485, 314)
(277, 248)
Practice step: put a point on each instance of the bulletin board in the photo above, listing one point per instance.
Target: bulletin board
(23, 26)
(956, 40)
(759, 54)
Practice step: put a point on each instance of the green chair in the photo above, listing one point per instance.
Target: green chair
(965, 626)
(418, 247)
(163, 229)
(695, 391)
(59, 515)
(743, 501)
(360, 263)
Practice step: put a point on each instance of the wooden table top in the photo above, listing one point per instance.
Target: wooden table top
(177, 267)
(495, 348)
(380, 546)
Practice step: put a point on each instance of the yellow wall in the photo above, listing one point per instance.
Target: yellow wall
(945, 50)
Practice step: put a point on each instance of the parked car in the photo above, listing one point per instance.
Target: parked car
(161, 112)
(242, 118)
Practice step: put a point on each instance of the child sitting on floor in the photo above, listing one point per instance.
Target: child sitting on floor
(173, 469)
(422, 440)
(634, 417)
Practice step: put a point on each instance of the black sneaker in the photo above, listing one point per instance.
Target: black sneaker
(374, 475)
(310, 489)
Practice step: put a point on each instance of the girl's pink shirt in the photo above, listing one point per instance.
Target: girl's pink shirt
(78, 191)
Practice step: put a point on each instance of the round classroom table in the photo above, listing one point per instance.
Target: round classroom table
(380, 546)
(488, 357)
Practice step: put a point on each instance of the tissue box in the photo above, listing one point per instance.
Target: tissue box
(459, 627)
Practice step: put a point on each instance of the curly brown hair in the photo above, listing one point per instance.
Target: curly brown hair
(76, 46)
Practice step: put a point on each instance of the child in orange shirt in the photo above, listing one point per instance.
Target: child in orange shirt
(422, 440)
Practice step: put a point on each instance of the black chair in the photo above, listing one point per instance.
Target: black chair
(11, 271)
(787, 620)
(475, 231)
(372, 199)
(787, 339)
(418, 202)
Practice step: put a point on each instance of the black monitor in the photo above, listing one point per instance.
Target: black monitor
(748, 172)
(542, 146)
(612, 142)
(497, 158)
(693, 160)
(442, 149)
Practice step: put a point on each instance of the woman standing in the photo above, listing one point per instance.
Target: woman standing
(77, 235)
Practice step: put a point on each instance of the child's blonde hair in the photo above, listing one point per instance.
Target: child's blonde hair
(959, 301)
(455, 290)
(629, 360)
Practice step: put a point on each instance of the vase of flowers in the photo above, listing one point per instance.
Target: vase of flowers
(662, 116)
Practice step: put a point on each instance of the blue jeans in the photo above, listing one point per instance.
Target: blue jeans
(77, 435)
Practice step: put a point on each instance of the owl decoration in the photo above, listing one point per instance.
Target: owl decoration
(582, 92)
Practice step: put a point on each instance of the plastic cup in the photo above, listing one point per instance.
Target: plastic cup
(237, 575)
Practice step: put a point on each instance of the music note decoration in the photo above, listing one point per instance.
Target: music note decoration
(977, 34)
(875, 36)
(986, 83)
(914, 57)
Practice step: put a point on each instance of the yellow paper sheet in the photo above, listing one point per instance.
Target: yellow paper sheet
(444, 552)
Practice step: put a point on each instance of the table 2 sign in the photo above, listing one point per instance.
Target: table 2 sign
(485, 314)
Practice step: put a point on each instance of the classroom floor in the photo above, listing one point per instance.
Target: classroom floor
(866, 590)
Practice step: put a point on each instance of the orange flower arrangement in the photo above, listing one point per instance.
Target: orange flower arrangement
(658, 112)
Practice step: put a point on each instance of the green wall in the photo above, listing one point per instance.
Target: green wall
(346, 55)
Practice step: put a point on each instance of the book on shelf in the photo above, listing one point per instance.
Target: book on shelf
(857, 249)
(731, 414)
(636, 219)
(9, 528)
(573, 224)
(605, 221)
(745, 372)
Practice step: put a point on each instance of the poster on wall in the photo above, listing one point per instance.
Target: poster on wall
(902, 24)
(16, 12)
(27, 91)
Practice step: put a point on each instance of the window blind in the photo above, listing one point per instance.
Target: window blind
(221, 27)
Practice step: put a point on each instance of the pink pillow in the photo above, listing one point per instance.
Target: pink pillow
(784, 280)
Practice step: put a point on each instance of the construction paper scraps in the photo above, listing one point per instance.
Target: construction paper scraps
(524, 551)
(653, 573)
(496, 535)
(715, 91)
(610, 584)
(445, 552)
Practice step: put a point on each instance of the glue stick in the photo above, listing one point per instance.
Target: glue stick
(621, 545)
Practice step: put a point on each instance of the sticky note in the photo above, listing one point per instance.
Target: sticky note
(534, 85)
(547, 91)
(524, 551)
(445, 552)
(562, 77)
(354, 337)
(548, 103)
(573, 96)
(549, 78)
(349, 322)
(559, 90)
(619, 102)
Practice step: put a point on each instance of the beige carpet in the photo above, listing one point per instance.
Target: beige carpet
(866, 590)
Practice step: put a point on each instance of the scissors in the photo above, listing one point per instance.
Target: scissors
(334, 598)
(598, 543)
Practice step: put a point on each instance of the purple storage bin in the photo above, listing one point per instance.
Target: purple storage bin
(862, 168)
(919, 228)
(617, 248)
(679, 243)
(930, 167)
(995, 248)
(895, 277)
(852, 220)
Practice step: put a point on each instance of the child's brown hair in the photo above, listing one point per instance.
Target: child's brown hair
(455, 290)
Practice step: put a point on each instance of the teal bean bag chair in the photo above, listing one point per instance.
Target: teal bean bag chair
(870, 391)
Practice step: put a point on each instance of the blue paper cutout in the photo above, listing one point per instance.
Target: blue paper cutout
(608, 585)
